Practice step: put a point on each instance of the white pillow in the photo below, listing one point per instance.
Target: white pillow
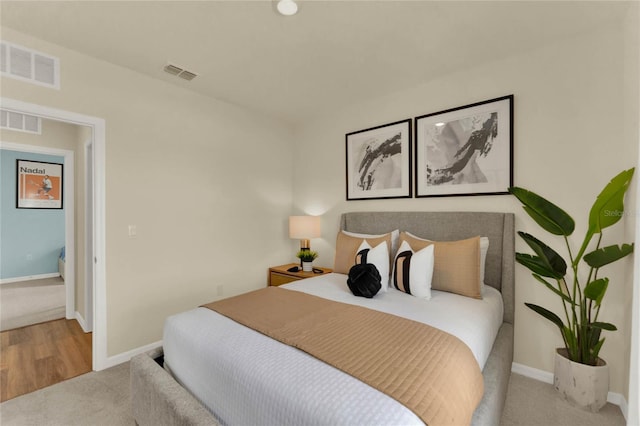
(419, 265)
(379, 256)
(484, 247)
(395, 237)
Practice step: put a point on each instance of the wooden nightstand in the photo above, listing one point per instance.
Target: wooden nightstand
(279, 275)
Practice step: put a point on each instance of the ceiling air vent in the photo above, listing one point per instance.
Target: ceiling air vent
(180, 72)
(187, 75)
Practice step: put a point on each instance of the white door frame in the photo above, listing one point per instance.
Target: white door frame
(69, 214)
(99, 244)
(88, 235)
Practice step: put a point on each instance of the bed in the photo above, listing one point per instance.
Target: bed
(281, 385)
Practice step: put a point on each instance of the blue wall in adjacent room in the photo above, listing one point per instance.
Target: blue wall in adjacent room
(31, 239)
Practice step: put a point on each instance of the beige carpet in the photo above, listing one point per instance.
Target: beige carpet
(30, 302)
(103, 398)
(534, 403)
(96, 399)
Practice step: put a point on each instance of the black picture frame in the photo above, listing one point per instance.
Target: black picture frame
(379, 161)
(466, 150)
(39, 185)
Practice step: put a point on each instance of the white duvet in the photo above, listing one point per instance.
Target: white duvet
(246, 378)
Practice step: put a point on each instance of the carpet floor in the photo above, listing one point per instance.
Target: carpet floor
(97, 399)
(534, 403)
(31, 302)
(103, 398)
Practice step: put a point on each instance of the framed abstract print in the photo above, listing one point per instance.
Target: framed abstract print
(466, 150)
(379, 162)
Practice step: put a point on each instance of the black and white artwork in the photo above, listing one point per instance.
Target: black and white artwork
(466, 150)
(379, 162)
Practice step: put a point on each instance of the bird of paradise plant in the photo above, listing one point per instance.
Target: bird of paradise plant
(581, 298)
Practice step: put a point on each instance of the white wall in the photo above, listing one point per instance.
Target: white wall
(190, 173)
(570, 139)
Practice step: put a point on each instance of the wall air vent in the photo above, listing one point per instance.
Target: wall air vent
(20, 122)
(29, 65)
(180, 72)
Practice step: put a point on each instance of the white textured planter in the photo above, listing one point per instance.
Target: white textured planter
(306, 266)
(582, 385)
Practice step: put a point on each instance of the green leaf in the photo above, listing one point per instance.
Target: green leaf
(604, 325)
(547, 314)
(608, 208)
(550, 286)
(606, 255)
(550, 257)
(595, 290)
(546, 214)
(549, 216)
(535, 265)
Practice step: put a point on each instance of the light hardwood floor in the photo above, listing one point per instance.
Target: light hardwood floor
(41, 355)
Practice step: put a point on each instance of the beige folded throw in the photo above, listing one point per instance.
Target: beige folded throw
(431, 372)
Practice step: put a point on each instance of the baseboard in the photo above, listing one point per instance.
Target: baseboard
(82, 322)
(619, 400)
(29, 278)
(533, 373)
(547, 377)
(112, 361)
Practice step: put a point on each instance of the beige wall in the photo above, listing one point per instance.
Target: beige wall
(191, 173)
(571, 137)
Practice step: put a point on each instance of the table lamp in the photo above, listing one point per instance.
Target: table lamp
(304, 228)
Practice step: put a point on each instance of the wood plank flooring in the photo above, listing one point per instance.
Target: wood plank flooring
(41, 355)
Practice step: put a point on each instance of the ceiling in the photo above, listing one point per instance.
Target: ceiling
(331, 53)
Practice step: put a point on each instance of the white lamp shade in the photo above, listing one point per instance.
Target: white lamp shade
(304, 227)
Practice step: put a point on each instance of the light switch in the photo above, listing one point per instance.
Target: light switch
(133, 231)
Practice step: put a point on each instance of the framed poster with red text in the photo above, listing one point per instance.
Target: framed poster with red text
(39, 185)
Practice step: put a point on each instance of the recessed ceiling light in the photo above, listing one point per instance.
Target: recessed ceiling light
(287, 7)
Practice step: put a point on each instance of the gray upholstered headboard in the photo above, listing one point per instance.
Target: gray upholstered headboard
(450, 226)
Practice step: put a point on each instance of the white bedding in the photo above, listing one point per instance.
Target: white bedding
(246, 378)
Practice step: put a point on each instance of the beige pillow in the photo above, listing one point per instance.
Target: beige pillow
(347, 248)
(456, 264)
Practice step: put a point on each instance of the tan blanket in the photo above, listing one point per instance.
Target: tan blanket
(431, 372)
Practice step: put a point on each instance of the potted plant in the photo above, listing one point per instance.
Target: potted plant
(581, 291)
(307, 257)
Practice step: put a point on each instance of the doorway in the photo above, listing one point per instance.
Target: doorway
(96, 138)
(36, 285)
